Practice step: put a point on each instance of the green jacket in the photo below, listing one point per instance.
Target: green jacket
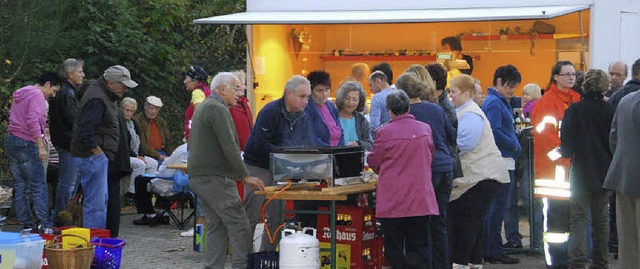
(143, 126)
(213, 143)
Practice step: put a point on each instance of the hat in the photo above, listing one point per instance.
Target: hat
(152, 100)
(197, 73)
(121, 74)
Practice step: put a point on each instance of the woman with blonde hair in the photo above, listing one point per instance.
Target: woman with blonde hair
(442, 164)
(429, 93)
(531, 94)
(484, 170)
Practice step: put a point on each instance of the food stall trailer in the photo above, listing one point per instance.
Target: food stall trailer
(296, 37)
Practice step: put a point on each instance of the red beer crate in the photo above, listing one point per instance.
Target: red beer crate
(353, 223)
(354, 226)
(378, 256)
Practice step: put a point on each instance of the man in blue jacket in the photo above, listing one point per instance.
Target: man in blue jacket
(499, 113)
(281, 123)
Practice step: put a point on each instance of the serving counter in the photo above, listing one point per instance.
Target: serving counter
(312, 192)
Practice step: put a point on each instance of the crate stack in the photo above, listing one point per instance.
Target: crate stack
(378, 254)
(355, 237)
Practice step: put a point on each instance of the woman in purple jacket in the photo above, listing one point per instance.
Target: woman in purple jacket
(405, 196)
(26, 148)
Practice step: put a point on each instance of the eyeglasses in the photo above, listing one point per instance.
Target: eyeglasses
(235, 88)
(568, 75)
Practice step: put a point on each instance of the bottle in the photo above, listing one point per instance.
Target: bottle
(518, 124)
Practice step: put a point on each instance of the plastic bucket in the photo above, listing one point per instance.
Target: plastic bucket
(108, 253)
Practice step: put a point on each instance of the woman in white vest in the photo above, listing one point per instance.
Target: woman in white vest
(484, 170)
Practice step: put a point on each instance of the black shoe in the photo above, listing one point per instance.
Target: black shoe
(163, 219)
(503, 258)
(146, 221)
(512, 245)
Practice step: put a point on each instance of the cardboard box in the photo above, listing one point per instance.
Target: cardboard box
(343, 256)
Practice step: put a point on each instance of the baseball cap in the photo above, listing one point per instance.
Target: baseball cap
(154, 101)
(121, 74)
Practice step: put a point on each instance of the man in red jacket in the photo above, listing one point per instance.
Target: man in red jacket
(241, 112)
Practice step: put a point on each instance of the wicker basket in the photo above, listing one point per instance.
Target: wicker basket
(76, 258)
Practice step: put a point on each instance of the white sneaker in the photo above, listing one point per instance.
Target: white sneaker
(460, 266)
(187, 233)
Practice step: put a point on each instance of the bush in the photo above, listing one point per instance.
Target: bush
(155, 39)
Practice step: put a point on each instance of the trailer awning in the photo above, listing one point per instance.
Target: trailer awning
(394, 16)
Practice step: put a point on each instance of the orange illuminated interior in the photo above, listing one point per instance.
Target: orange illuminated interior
(274, 57)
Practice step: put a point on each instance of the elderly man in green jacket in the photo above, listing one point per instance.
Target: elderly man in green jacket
(214, 164)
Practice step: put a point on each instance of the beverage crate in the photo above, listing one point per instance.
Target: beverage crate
(356, 227)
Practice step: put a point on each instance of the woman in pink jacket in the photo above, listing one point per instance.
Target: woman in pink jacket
(26, 149)
(402, 154)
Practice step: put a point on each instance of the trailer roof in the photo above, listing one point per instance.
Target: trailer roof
(394, 16)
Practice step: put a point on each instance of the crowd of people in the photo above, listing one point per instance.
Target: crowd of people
(459, 186)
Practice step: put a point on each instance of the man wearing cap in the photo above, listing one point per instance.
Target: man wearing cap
(154, 132)
(196, 83)
(96, 139)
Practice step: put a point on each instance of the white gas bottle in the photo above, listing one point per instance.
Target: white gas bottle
(299, 250)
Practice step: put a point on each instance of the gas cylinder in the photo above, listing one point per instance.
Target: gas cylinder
(298, 250)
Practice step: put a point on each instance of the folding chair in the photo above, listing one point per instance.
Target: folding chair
(182, 196)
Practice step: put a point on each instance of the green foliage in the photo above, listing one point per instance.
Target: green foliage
(155, 39)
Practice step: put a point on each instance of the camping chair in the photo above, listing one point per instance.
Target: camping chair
(180, 193)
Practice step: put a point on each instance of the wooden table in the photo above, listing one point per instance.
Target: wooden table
(310, 192)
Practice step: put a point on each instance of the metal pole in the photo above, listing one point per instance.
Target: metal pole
(332, 216)
(584, 49)
(531, 187)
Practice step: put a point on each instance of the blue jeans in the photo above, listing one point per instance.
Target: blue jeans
(28, 173)
(511, 216)
(442, 185)
(67, 180)
(92, 172)
(494, 218)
